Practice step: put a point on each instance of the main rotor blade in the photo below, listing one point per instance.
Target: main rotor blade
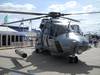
(82, 13)
(25, 20)
(19, 12)
(71, 19)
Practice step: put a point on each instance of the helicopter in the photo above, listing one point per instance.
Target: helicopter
(57, 38)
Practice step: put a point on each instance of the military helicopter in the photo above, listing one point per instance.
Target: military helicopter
(55, 37)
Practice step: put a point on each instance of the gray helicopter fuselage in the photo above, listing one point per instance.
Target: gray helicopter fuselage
(56, 37)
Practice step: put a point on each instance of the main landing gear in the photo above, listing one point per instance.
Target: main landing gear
(73, 59)
(38, 51)
(45, 52)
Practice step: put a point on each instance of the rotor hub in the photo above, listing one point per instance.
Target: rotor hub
(54, 14)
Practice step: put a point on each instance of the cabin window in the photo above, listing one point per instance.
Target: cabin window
(59, 29)
(75, 28)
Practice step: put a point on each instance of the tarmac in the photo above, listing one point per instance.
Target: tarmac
(39, 64)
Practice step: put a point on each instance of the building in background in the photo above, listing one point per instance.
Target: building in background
(16, 36)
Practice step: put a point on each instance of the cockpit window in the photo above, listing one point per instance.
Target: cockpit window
(75, 28)
(59, 29)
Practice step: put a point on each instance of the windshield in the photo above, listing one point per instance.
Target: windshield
(75, 28)
(59, 29)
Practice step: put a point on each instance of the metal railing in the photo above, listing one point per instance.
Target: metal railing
(29, 43)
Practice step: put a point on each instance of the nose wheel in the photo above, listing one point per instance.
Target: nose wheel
(38, 51)
(45, 52)
(73, 59)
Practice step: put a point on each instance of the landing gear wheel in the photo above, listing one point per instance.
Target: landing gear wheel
(38, 51)
(73, 59)
(46, 52)
(70, 59)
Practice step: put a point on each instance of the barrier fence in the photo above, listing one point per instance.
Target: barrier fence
(27, 43)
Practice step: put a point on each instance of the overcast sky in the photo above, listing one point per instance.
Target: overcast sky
(88, 22)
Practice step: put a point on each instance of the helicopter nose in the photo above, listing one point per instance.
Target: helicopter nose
(78, 38)
(80, 42)
(82, 46)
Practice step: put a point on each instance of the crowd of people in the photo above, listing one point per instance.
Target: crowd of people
(94, 40)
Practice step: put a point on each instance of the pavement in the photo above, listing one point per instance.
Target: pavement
(39, 64)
